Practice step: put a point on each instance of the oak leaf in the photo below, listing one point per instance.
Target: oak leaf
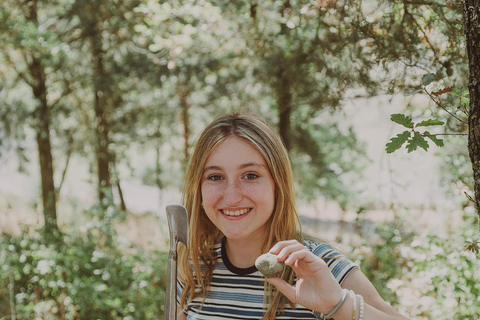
(442, 91)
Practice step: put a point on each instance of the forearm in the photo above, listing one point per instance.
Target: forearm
(369, 312)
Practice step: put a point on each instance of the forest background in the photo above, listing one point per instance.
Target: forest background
(101, 101)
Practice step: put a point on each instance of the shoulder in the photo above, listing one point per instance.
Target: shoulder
(321, 249)
(338, 264)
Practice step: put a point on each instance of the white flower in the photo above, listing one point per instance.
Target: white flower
(44, 266)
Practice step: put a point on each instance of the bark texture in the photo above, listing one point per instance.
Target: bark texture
(103, 111)
(183, 96)
(472, 34)
(284, 100)
(42, 128)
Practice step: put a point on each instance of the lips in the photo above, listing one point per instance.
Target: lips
(235, 213)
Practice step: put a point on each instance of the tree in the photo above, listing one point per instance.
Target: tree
(303, 57)
(28, 38)
(471, 12)
(120, 68)
(197, 48)
(433, 29)
(285, 61)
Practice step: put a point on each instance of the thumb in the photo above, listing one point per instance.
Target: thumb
(284, 287)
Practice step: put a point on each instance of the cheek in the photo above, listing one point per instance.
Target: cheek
(210, 194)
(264, 193)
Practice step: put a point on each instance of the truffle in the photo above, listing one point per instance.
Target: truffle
(268, 265)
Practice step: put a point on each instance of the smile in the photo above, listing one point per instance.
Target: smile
(235, 213)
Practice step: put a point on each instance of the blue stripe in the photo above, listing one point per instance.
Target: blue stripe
(249, 289)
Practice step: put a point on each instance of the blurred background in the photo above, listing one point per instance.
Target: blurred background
(102, 101)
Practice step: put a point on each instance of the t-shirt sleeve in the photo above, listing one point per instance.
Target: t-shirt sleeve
(180, 287)
(338, 264)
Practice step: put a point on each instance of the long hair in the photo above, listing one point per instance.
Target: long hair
(284, 221)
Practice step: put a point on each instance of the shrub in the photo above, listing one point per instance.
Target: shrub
(425, 275)
(88, 276)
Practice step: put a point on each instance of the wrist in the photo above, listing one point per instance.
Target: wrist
(353, 308)
(345, 312)
(336, 309)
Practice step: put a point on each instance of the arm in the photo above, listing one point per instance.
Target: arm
(317, 289)
(360, 284)
(181, 316)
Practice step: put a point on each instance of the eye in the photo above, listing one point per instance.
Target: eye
(250, 176)
(215, 177)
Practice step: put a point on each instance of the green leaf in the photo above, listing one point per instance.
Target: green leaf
(417, 141)
(410, 93)
(397, 142)
(465, 101)
(430, 122)
(437, 141)
(455, 92)
(402, 119)
(428, 78)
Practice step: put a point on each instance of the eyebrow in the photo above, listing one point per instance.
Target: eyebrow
(243, 166)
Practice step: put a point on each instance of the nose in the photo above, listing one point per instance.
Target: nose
(233, 193)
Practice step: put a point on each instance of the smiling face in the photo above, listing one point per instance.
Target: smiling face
(238, 190)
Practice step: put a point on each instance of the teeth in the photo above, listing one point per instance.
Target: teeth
(236, 212)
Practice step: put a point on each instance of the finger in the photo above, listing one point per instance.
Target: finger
(284, 287)
(282, 244)
(303, 254)
(287, 251)
(289, 248)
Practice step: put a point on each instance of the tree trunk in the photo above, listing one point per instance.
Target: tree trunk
(186, 125)
(284, 95)
(102, 117)
(158, 157)
(123, 205)
(284, 100)
(472, 33)
(42, 128)
(45, 153)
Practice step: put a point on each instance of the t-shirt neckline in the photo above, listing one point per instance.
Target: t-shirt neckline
(231, 267)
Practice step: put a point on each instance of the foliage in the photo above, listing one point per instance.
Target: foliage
(381, 259)
(90, 276)
(414, 36)
(413, 138)
(416, 139)
(426, 275)
(164, 69)
(328, 158)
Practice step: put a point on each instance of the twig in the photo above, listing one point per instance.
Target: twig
(463, 107)
(469, 197)
(445, 134)
(440, 105)
(426, 37)
(64, 173)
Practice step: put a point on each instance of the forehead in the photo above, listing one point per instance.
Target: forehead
(234, 150)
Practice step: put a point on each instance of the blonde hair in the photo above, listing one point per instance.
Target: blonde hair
(284, 222)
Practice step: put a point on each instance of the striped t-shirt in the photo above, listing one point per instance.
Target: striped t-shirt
(237, 293)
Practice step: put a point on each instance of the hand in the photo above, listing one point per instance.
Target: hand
(316, 288)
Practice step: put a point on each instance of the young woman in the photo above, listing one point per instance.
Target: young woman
(240, 199)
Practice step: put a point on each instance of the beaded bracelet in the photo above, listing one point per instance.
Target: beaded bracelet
(362, 306)
(321, 316)
(354, 312)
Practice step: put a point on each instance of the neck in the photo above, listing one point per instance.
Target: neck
(242, 253)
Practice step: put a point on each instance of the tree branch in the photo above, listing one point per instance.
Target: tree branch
(64, 173)
(426, 38)
(441, 106)
(444, 134)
